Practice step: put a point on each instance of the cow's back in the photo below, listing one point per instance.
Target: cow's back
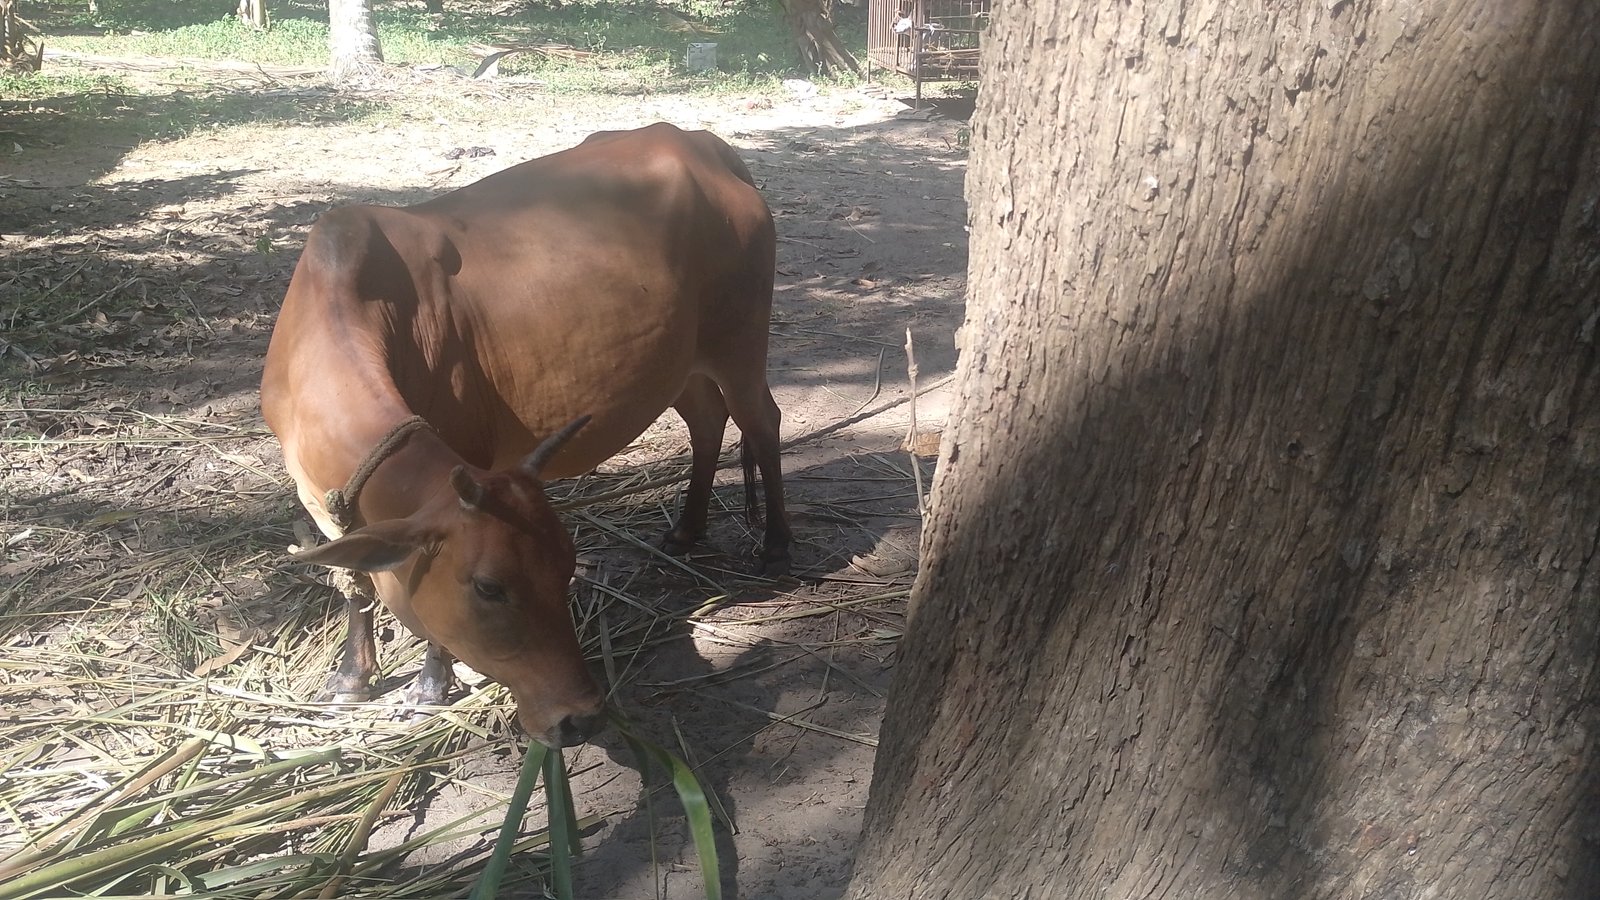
(589, 282)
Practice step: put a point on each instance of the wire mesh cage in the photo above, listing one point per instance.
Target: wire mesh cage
(926, 40)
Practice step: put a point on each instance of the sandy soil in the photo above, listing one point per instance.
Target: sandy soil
(867, 195)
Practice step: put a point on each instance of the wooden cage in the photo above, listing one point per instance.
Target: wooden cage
(926, 40)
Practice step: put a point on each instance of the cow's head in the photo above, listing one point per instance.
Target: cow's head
(483, 569)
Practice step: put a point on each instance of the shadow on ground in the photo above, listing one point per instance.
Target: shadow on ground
(118, 307)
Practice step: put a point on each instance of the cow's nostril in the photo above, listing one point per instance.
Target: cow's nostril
(577, 729)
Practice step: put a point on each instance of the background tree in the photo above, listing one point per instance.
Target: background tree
(17, 49)
(253, 13)
(11, 36)
(1263, 554)
(811, 24)
(352, 38)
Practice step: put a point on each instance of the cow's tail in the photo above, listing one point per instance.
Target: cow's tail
(752, 503)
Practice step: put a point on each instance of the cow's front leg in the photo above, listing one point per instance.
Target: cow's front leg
(352, 681)
(433, 684)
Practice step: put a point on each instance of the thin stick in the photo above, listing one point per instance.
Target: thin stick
(62, 320)
(859, 233)
(664, 481)
(911, 440)
(885, 406)
(865, 740)
(61, 282)
(877, 382)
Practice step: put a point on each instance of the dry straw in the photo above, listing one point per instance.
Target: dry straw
(157, 656)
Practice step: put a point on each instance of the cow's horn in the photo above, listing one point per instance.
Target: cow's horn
(467, 487)
(542, 453)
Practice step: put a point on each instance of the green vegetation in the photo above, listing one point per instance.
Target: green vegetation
(292, 42)
(562, 834)
(30, 86)
(613, 47)
(625, 46)
(67, 105)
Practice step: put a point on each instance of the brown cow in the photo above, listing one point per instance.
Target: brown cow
(429, 359)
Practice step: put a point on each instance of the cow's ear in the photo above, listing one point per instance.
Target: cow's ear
(373, 548)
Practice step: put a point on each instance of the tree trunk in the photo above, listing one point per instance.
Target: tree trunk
(352, 39)
(11, 37)
(1263, 554)
(17, 50)
(253, 13)
(811, 24)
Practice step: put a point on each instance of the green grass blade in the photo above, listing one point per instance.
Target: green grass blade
(572, 818)
(693, 798)
(695, 807)
(116, 861)
(169, 872)
(563, 831)
(217, 879)
(489, 882)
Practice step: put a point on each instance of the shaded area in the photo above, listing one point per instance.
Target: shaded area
(78, 137)
(1233, 615)
(137, 448)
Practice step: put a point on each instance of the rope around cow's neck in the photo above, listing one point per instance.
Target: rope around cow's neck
(341, 504)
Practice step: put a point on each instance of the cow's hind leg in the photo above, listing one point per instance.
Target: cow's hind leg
(703, 410)
(756, 414)
(352, 681)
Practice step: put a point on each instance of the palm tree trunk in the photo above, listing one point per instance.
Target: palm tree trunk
(352, 39)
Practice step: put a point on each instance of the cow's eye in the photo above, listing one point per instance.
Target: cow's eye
(489, 589)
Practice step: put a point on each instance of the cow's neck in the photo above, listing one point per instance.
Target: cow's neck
(405, 477)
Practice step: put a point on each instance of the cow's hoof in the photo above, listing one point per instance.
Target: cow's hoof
(678, 542)
(345, 698)
(420, 698)
(776, 566)
(343, 690)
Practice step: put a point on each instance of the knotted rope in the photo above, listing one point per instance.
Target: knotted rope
(341, 504)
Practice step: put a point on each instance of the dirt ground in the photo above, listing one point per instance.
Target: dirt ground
(778, 708)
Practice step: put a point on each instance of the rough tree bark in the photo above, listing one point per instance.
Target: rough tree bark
(352, 39)
(1263, 555)
(811, 24)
